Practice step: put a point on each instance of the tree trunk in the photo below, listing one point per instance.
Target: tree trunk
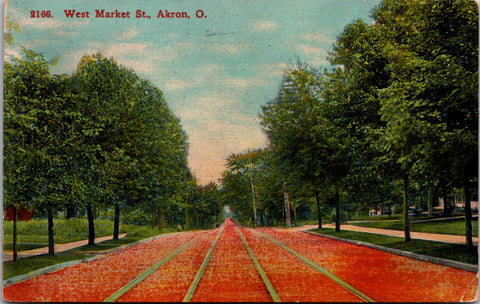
(14, 241)
(91, 225)
(430, 202)
(294, 209)
(187, 224)
(254, 202)
(319, 212)
(337, 211)
(161, 220)
(259, 222)
(406, 222)
(70, 211)
(288, 219)
(116, 222)
(51, 240)
(468, 217)
(446, 204)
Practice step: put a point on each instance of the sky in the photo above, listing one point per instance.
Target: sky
(216, 71)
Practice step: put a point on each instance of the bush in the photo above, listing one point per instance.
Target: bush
(137, 217)
(143, 231)
(70, 230)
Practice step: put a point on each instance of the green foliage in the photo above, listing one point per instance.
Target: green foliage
(137, 217)
(23, 266)
(36, 134)
(397, 115)
(252, 188)
(11, 28)
(70, 230)
(141, 232)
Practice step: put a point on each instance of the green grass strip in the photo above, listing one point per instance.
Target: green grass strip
(200, 271)
(319, 268)
(261, 272)
(148, 272)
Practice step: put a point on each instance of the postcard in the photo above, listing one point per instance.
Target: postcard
(240, 151)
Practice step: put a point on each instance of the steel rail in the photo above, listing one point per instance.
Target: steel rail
(319, 268)
(201, 270)
(117, 294)
(273, 293)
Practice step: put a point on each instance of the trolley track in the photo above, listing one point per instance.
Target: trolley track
(124, 289)
(234, 233)
(297, 278)
(231, 263)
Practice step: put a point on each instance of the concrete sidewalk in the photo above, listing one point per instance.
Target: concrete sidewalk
(8, 255)
(445, 238)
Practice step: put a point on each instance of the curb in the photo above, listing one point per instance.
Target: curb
(48, 269)
(416, 256)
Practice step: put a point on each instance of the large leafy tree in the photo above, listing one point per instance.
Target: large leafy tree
(307, 146)
(133, 149)
(431, 105)
(351, 93)
(104, 94)
(38, 137)
(407, 87)
(240, 184)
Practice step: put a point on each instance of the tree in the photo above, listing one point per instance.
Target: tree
(307, 145)
(241, 180)
(430, 106)
(287, 121)
(133, 148)
(37, 137)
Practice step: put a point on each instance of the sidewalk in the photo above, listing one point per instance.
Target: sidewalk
(445, 238)
(8, 255)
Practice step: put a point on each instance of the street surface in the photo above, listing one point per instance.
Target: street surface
(234, 263)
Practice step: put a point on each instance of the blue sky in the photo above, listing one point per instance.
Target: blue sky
(216, 72)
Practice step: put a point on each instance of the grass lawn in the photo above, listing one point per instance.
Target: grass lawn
(376, 218)
(71, 230)
(24, 246)
(454, 252)
(66, 231)
(454, 226)
(23, 266)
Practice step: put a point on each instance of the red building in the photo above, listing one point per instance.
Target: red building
(22, 213)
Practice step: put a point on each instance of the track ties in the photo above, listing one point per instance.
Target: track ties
(273, 293)
(117, 294)
(200, 271)
(319, 268)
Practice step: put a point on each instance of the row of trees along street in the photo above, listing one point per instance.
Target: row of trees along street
(395, 120)
(99, 139)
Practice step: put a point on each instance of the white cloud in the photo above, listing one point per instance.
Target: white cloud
(311, 50)
(8, 53)
(264, 26)
(244, 82)
(274, 71)
(179, 84)
(315, 56)
(317, 37)
(197, 78)
(137, 56)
